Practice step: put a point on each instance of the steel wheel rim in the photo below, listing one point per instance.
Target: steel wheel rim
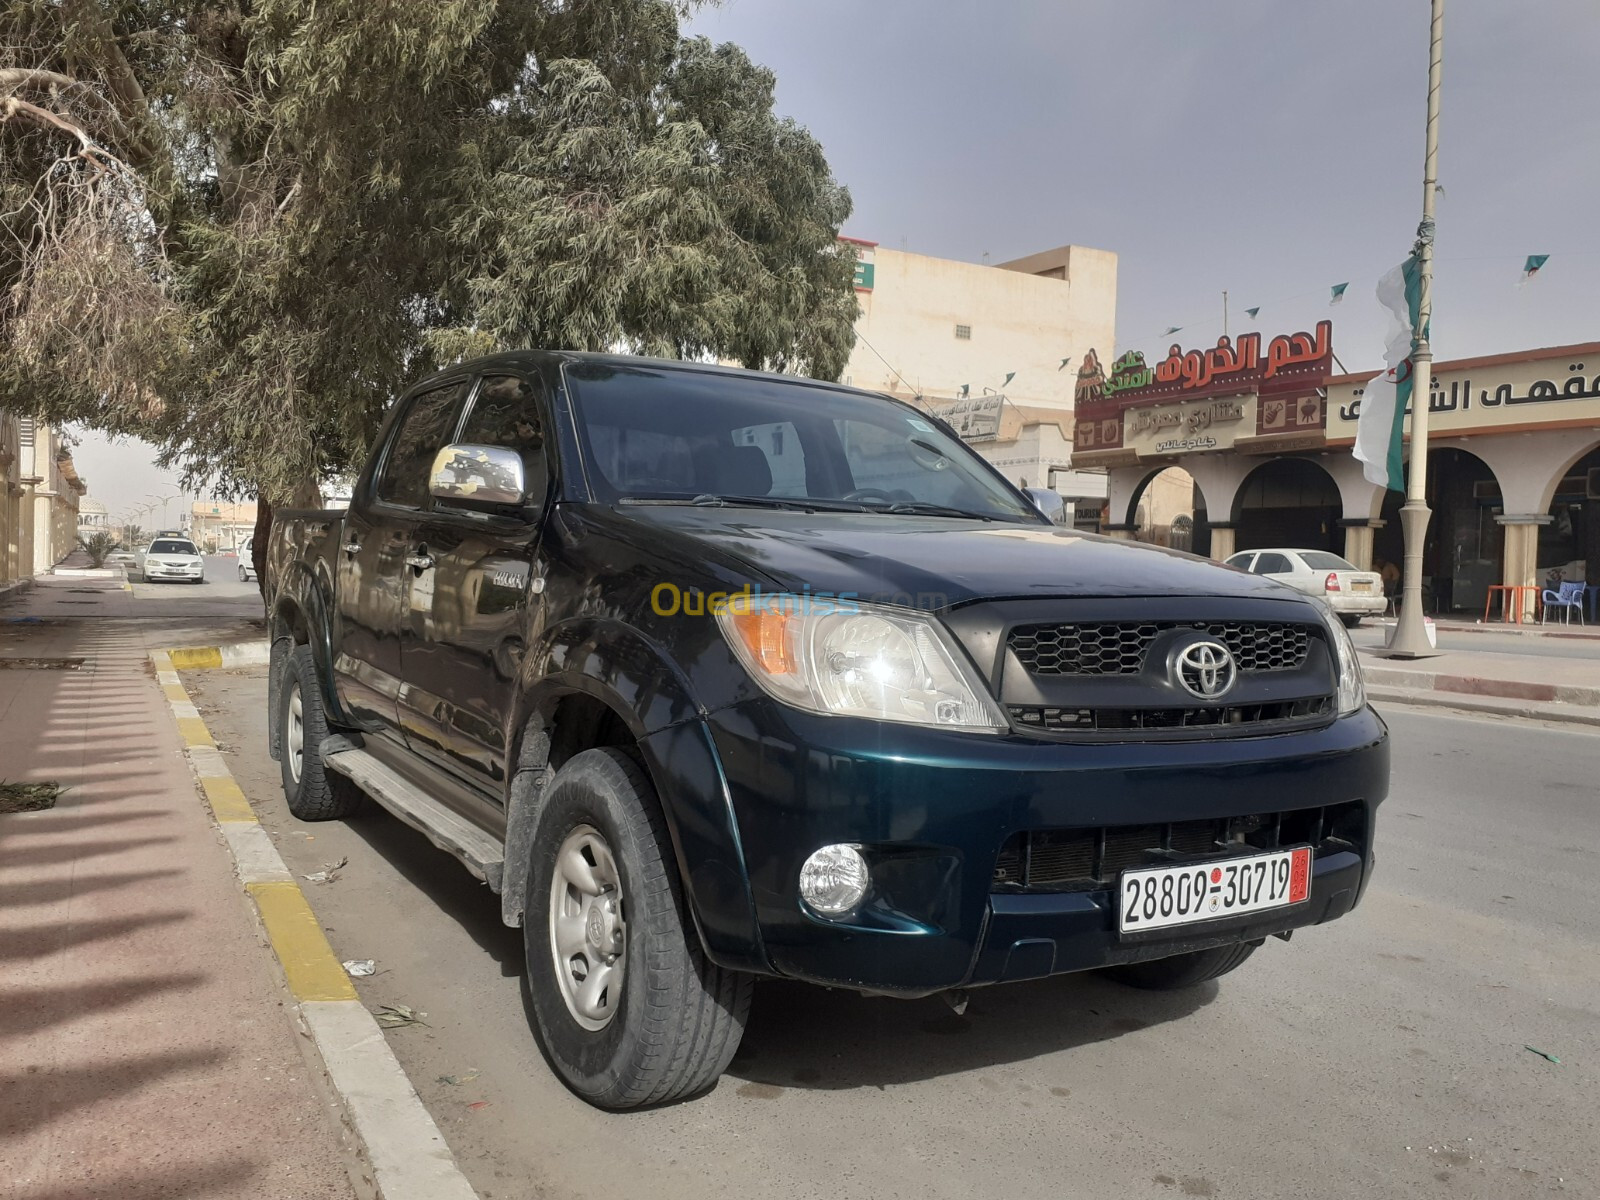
(295, 735)
(588, 936)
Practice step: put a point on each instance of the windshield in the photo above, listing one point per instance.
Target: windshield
(172, 547)
(659, 433)
(1322, 560)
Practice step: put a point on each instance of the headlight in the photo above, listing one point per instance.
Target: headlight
(1352, 692)
(844, 658)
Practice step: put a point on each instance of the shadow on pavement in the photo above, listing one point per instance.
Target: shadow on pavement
(37, 1096)
(815, 1038)
(22, 942)
(30, 1010)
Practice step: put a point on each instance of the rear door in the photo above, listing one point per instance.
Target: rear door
(379, 533)
(468, 613)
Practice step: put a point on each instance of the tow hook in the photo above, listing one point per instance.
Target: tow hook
(956, 998)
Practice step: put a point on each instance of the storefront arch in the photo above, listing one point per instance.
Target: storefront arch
(1568, 545)
(1167, 508)
(1463, 553)
(1289, 501)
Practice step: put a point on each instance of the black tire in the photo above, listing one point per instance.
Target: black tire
(313, 792)
(679, 1018)
(1351, 620)
(1183, 970)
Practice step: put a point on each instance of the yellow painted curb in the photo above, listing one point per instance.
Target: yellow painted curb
(195, 659)
(308, 961)
(194, 731)
(227, 799)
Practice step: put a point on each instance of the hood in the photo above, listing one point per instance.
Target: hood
(936, 563)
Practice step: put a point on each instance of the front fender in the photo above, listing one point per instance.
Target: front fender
(304, 606)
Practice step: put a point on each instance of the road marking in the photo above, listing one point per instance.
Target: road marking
(402, 1151)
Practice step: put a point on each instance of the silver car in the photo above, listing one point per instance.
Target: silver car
(1352, 592)
(169, 558)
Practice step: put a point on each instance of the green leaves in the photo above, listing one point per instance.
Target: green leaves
(344, 194)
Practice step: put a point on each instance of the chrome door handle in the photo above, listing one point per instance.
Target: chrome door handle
(419, 562)
(352, 547)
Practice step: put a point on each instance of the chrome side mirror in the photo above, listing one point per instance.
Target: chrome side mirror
(478, 475)
(1049, 503)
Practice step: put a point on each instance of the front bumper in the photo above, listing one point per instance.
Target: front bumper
(174, 572)
(932, 810)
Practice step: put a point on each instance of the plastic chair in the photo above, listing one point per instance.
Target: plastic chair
(1567, 596)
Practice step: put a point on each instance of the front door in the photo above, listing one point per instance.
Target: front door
(469, 612)
(379, 532)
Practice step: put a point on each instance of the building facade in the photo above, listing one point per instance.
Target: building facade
(39, 507)
(221, 526)
(989, 349)
(1259, 438)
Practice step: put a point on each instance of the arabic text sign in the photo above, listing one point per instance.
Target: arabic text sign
(1552, 391)
(1188, 427)
(1290, 362)
(976, 419)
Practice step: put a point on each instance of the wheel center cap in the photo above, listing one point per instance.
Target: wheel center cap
(596, 927)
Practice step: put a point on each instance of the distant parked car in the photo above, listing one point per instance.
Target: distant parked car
(1352, 592)
(123, 558)
(247, 562)
(172, 558)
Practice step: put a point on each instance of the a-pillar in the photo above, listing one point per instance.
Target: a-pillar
(1221, 539)
(1521, 556)
(1122, 533)
(1358, 535)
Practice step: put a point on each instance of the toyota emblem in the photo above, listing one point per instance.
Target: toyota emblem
(1206, 670)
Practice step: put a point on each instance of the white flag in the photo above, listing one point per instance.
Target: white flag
(1383, 403)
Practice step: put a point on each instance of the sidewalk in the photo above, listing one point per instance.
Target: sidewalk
(1541, 686)
(144, 1048)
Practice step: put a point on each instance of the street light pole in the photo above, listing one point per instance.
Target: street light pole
(1411, 633)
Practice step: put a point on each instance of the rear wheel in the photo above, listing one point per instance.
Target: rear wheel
(627, 1009)
(314, 793)
(1183, 970)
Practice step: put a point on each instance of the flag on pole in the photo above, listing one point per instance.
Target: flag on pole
(1383, 403)
(1251, 312)
(1170, 330)
(1532, 267)
(1010, 375)
(1337, 293)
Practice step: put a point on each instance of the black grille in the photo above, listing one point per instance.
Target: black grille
(1119, 647)
(1108, 720)
(1083, 860)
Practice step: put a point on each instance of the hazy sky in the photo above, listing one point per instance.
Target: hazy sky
(1267, 147)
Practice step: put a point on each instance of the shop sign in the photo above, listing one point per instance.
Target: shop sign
(975, 419)
(1529, 394)
(1189, 427)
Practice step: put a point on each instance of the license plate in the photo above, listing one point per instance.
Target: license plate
(1362, 586)
(1159, 897)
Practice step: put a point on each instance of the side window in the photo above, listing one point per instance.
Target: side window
(786, 460)
(507, 413)
(1272, 564)
(1241, 561)
(424, 430)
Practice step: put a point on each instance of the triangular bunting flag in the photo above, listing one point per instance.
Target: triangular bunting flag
(1251, 312)
(966, 390)
(1063, 365)
(1532, 267)
(1170, 330)
(1337, 293)
(1010, 375)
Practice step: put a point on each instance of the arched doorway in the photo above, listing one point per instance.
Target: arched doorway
(1569, 546)
(1462, 554)
(1168, 509)
(1290, 502)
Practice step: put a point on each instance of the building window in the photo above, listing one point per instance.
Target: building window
(964, 333)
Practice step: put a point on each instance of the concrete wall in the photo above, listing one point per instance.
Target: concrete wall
(11, 502)
(1019, 321)
(39, 519)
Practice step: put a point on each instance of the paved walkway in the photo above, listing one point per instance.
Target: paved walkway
(144, 1050)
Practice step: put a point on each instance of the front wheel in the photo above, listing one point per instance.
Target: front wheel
(1183, 970)
(627, 1008)
(314, 793)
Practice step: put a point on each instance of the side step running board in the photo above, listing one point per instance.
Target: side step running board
(443, 826)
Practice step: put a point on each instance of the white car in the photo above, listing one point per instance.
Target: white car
(247, 562)
(1352, 592)
(172, 558)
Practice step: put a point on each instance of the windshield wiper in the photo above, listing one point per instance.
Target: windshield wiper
(925, 508)
(791, 503)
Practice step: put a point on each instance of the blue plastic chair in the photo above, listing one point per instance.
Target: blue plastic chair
(1567, 596)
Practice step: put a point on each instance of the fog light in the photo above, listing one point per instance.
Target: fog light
(833, 880)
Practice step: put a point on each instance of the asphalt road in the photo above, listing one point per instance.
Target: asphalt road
(222, 582)
(1381, 1056)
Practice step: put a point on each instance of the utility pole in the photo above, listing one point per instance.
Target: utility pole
(1411, 634)
(1224, 314)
